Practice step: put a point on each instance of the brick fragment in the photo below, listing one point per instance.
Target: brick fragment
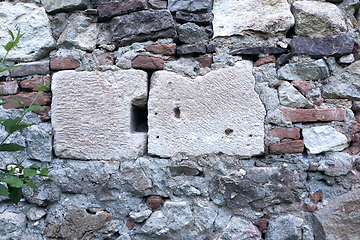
(208, 238)
(304, 86)
(296, 146)
(204, 61)
(27, 98)
(262, 224)
(148, 63)
(307, 208)
(106, 58)
(44, 113)
(316, 197)
(314, 115)
(63, 63)
(164, 49)
(130, 224)
(283, 133)
(313, 168)
(153, 202)
(31, 84)
(7, 88)
(262, 61)
(40, 67)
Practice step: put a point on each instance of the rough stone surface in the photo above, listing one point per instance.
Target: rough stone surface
(314, 115)
(316, 70)
(174, 121)
(258, 50)
(323, 138)
(165, 49)
(39, 142)
(35, 213)
(115, 8)
(336, 164)
(236, 17)
(52, 6)
(7, 88)
(189, 6)
(13, 224)
(239, 228)
(318, 19)
(190, 49)
(290, 97)
(285, 227)
(190, 33)
(262, 61)
(41, 67)
(142, 26)
(285, 133)
(27, 98)
(63, 63)
(296, 146)
(337, 45)
(200, 19)
(98, 94)
(148, 63)
(33, 83)
(33, 21)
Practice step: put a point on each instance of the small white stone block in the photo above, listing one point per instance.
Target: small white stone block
(216, 113)
(91, 114)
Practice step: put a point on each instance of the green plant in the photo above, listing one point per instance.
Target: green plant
(18, 176)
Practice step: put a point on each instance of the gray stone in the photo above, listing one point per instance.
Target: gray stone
(12, 225)
(285, 227)
(142, 26)
(109, 9)
(158, 4)
(266, 73)
(269, 96)
(189, 5)
(7, 88)
(234, 121)
(124, 236)
(109, 99)
(239, 228)
(336, 164)
(40, 67)
(201, 18)
(204, 217)
(58, 23)
(316, 70)
(33, 21)
(39, 142)
(52, 6)
(141, 215)
(347, 59)
(185, 66)
(35, 213)
(233, 17)
(191, 33)
(323, 139)
(318, 19)
(191, 49)
(290, 97)
(186, 190)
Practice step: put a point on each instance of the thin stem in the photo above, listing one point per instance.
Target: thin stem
(4, 57)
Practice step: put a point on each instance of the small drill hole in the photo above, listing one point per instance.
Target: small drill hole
(157, 136)
(156, 113)
(177, 112)
(228, 131)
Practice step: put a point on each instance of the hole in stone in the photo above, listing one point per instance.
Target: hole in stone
(157, 136)
(138, 121)
(250, 135)
(156, 113)
(291, 32)
(177, 112)
(228, 131)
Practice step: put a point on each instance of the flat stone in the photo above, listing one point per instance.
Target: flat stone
(33, 83)
(296, 146)
(258, 50)
(7, 88)
(285, 227)
(200, 18)
(191, 49)
(164, 49)
(37, 41)
(189, 5)
(27, 98)
(323, 46)
(318, 19)
(158, 4)
(142, 26)
(314, 115)
(148, 63)
(239, 228)
(41, 68)
(191, 33)
(323, 139)
(316, 70)
(12, 224)
(35, 213)
(204, 61)
(233, 17)
(63, 63)
(141, 216)
(285, 133)
(262, 61)
(52, 6)
(117, 95)
(176, 125)
(113, 8)
(290, 97)
(204, 217)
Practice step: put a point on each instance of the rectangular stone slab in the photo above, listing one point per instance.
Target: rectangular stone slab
(91, 114)
(216, 113)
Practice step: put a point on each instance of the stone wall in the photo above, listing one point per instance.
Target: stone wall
(186, 119)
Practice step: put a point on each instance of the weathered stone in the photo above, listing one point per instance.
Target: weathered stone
(33, 83)
(336, 164)
(355, 138)
(266, 73)
(285, 227)
(233, 17)
(347, 59)
(290, 97)
(323, 46)
(285, 133)
(204, 217)
(185, 49)
(316, 197)
(314, 115)
(41, 68)
(323, 139)
(39, 142)
(63, 63)
(158, 4)
(142, 26)
(239, 228)
(303, 86)
(13, 224)
(52, 6)
(318, 19)
(304, 71)
(113, 134)
(189, 6)
(33, 21)
(183, 65)
(35, 213)
(190, 33)
(7, 88)
(262, 61)
(296, 146)
(262, 224)
(58, 23)
(171, 104)
(140, 216)
(115, 8)
(283, 59)
(81, 32)
(153, 202)
(210, 48)
(27, 98)
(258, 50)
(105, 58)
(204, 61)
(201, 18)
(147, 63)
(164, 49)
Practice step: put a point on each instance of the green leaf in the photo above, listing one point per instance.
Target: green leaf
(31, 184)
(3, 104)
(41, 88)
(8, 123)
(34, 166)
(2, 119)
(15, 194)
(11, 34)
(29, 172)
(17, 100)
(11, 44)
(35, 107)
(44, 172)
(11, 147)
(14, 182)
(19, 127)
(9, 68)
(4, 191)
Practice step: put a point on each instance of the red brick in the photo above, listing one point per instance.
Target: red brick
(44, 113)
(153, 202)
(148, 63)
(314, 115)
(262, 61)
(27, 98)
(204, 61)
(354, 131)
(262, 224)
(130, 224)
(307, 208)
(63, 63)
(208, 238)
(313, 168)
(304, 86)
(7, 88)
(32, 84)
(164, 49)
(296, 146)
(316, 197)
(282, 133)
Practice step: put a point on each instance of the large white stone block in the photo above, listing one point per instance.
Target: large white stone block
(33, 21)
(92, 114)
(216, 113)
(233, 17)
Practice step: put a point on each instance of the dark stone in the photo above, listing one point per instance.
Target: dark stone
(91, 12)
(283, 59)
(323, 46)
(200, 19)
(40, 67)
(68, 188)
(258, 50)
(262, 224)
(356, 51)
(204, 61)
(184, 170)
(115, 8)
(186, 49)
(142, 26)
(210, 48)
